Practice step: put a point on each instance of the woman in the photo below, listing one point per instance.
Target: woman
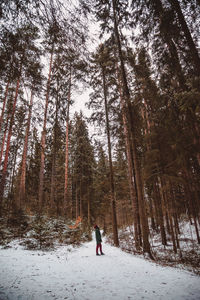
(98, 240)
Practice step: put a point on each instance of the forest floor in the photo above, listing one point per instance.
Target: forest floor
(77, 273)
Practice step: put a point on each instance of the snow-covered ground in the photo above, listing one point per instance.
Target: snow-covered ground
(77, 273)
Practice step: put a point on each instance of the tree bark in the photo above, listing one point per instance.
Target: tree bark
(43, 137)
(88, 206)
(4, 172)
(4, 105)
(161, 201)
(113, 200)
(23, 166)
(4, 138)
(81, 199)
(77, 201)
(53, 168)
(131, 175)
(67, 148)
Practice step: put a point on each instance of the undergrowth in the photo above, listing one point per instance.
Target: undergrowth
(41, 232)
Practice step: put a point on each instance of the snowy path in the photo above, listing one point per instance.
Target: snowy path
(80, 274)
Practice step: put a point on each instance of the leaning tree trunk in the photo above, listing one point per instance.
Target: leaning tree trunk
(22, 187)
(193, 50)
(43, 137)
(113, 201)
(126, 96)
(4, 172)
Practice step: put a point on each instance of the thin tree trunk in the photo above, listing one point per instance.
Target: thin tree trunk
(4, 172)
(81, 199)
(153, 226)
(4, 105)
(67, 148)
(161, 220)
(43, 137)
(13, 164)
(172, 232)
(167, 222)
(77, 201)
(190, 202)
(88, 205)
(155, 202)
(52, 193)
(113, 200)
(23, 167)
(53, 169)
(173, 212)
(170, 212)
(4, 138)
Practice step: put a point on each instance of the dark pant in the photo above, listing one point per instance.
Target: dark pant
(98, 247)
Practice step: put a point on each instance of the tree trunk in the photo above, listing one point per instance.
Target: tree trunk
(153, 226)
(67, 149)
(113, 200)
(170, 212)
(190, 202)
(131, 175)
(173, 215)
(53, 169)
(193, 50)
(167, 222)
(81, 199)
(22, 187)
(172, 232)
(43, 137)
(4, 104)
(13, 167)
(4, 172)
(77, 201)
(4, 138)
(88, 205)
(52, 193)
(161, 219)
(126, 96)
